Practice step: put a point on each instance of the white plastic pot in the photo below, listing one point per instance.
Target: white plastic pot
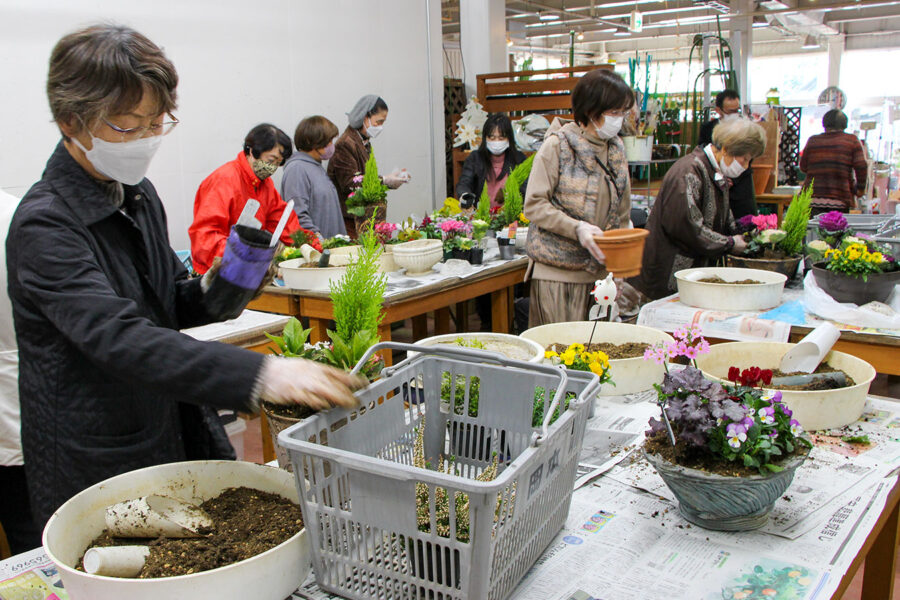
(820, 409)
(630, 375)
(730, 297)
(638, 148)
(309, 278)
(524, 349)
(272, 575)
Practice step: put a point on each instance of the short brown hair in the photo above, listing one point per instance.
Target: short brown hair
(104, 70)
(314, 132)
(740, 137)
(597, 92)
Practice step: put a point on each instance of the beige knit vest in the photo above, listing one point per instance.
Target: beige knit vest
(577, 194)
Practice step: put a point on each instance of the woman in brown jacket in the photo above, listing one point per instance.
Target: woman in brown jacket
(691, 224)
(578, 187)
(351, 151)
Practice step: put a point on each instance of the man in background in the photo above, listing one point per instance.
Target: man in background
(15, 510)
(741, 195)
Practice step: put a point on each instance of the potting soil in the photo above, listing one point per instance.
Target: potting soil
(821, 384)
(247, 522)
(717, 279)
(613, 351)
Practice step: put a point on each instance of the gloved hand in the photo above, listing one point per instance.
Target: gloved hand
(270, 274)
(586, 232)
(397, 178)
(300, 381)
(740, 244)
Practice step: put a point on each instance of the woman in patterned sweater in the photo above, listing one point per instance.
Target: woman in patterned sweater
(835, 165)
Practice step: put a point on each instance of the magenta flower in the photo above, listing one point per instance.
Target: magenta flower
(773, 434)
(833, 222)
(746, 221)
(763, 222)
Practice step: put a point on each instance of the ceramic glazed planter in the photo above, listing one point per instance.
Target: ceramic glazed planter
(785, 266)
(815, 410)
(630, 375)
(376, 211)
(843, 288)
(624, 249)
(724, 503)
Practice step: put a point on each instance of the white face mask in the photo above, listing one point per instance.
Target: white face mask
(731, 116)
(373, 130)
(497, 147)
(733, 170)
(126, 162)
(611, 126)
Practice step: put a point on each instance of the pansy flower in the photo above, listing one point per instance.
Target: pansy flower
(796, 429)
(736, 434)
(767, 415)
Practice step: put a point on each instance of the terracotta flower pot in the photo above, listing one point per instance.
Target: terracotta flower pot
(761, 174)
(624, 249)
(843, 288)
(785, 266)
(373, 211)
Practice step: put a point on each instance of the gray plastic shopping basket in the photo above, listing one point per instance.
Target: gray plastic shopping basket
(358, 486)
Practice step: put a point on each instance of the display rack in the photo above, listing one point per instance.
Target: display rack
(789, 147)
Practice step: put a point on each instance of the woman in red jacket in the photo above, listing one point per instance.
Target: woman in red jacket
(223, 195)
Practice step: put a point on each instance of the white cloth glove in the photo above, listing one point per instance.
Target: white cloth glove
(740, 244)
(300, 381)
(397, 178)
(586, 232)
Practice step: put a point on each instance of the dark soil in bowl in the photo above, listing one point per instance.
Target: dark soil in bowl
(688, 456)
(247, 522)
(822, 384)
(613, 351)
(717, 279)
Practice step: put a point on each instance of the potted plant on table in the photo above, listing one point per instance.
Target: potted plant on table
(368, 202)
(832, 227)
(772, 247)
(726, 453)
(357, 299)
(454, 231)
(858, 271)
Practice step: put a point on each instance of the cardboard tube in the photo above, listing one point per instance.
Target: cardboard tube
(154, 516)
(116, 561)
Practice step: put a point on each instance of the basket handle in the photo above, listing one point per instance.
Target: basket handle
(482, 356)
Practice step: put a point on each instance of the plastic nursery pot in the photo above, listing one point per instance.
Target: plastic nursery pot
(477, 256)
(785, 266)
(461, 254)
(624, 249)
(843, 288)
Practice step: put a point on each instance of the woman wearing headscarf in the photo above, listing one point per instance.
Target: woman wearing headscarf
(351, 151)
(107, 383)
(691, 224)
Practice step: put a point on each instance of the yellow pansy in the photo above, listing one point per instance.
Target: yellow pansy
(568, 357)
(551, 354)
(576, 347)
(877, 257)
(586, 357)
(597, 369)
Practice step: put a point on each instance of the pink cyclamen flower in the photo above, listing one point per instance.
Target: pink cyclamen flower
(764, 222)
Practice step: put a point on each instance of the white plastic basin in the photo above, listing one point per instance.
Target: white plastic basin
(630, 375)
(731, 297)
(820, 409)
(309, 278)
(521, 348)
(272, 575)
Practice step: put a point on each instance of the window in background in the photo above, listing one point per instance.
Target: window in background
(798, 85)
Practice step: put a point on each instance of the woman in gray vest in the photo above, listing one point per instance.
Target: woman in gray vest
(578, 187)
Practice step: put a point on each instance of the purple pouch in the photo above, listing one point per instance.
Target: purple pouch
(247, 257)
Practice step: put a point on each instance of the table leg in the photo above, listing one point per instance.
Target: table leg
(500, 310)
(878, 576)
(384, 333)
(419, 327)
(319, 328)
(442, 321)
(462, 317)
(268, 449)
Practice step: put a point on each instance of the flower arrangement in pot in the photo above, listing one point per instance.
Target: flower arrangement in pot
(858, 270)
(771, 246)
(726, 453)
(299, 238)
(832, 227)
(357, 299)
(454, 232)
(368, 202)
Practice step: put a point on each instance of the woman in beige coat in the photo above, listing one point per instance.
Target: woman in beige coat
(579, 186)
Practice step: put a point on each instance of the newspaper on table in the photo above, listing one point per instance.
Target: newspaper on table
(30, 576)
(247, 321)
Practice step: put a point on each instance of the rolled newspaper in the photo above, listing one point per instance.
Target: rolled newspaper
(116, 561)
(154, 516)
(809, 352)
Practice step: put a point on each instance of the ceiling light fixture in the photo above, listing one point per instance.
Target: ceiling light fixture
(622, 33)
(580, 35)
(810, 43)
(547, 16)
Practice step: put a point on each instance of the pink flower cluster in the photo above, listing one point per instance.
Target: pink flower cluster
(689, 342)
(357, 178)
(385, 228)
(453, 227)
(764, 222)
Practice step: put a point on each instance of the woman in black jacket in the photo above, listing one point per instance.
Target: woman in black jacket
(492, 162)
(107, 383)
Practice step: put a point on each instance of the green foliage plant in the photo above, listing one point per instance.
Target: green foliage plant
(795, 221)
(371, 190)
(483, 208)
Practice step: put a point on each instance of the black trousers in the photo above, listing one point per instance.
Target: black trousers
(15, 511)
